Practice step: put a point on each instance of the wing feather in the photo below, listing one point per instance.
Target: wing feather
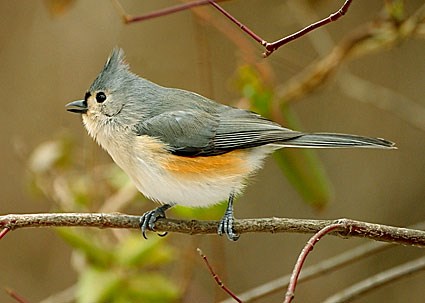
(199, 133)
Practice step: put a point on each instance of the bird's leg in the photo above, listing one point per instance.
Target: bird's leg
(226, 223)
(148, 219)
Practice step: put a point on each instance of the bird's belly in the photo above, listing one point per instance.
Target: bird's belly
(192, 181)
(188, 181)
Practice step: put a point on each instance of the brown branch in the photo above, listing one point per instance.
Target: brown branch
(378, 232)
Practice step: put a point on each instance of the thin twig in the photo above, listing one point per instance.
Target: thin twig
(272, 46)
(289, 296)
(313, 271)
(15, 296)
(377, 35)
(269, 46)
(378, 232)
(239, 24)
(161, 12)
(378, 280)
(217, 278)
(319, 269)
(4, 232)
(383, 98)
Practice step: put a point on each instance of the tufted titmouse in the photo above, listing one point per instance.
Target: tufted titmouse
(181, 148)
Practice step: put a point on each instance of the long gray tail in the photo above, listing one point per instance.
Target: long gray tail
(329, 140)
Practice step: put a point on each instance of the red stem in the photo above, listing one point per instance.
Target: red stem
(4, 232)
(15, 296)
(217, 278)
(167, 11)
(238, 23)
(271, 47)
(289, 296)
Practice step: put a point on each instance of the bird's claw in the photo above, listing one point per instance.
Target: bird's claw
(226, 227)
(148, 219)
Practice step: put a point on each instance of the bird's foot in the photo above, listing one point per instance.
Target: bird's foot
(226, 223)
(226, 227)
(148, 219)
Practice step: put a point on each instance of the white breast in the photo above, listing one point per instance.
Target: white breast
(153, 170)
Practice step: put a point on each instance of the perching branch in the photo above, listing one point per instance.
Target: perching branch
(353, 228)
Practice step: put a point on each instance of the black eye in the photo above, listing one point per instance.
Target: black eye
(100, 97)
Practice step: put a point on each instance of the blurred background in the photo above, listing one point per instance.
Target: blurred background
(363, 74)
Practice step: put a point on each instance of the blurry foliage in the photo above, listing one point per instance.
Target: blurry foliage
(58, 7)
(301, 166)
(114, 266)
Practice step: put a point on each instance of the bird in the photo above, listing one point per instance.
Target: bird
(181, 148)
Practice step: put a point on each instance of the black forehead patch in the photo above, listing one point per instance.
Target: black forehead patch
(86, 96)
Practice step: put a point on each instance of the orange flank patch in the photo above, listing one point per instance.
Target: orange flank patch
(231, 163)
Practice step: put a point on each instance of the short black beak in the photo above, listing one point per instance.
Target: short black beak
(79, 107)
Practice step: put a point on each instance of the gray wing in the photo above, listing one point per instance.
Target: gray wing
(199, 133)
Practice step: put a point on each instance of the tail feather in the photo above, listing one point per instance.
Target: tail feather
(329, 140)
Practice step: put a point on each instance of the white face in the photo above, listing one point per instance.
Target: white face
(102, 103)
(102, 113)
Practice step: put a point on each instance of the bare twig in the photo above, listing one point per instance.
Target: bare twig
(4, 232)
(289, 296)
(378, 34)
(272, 46)
(319, 269)
(313, 271)
(354, 228)
(217, 278)
(15, 296)
(269, 46)
(384, 98)
(378, 280)
(161, 12)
